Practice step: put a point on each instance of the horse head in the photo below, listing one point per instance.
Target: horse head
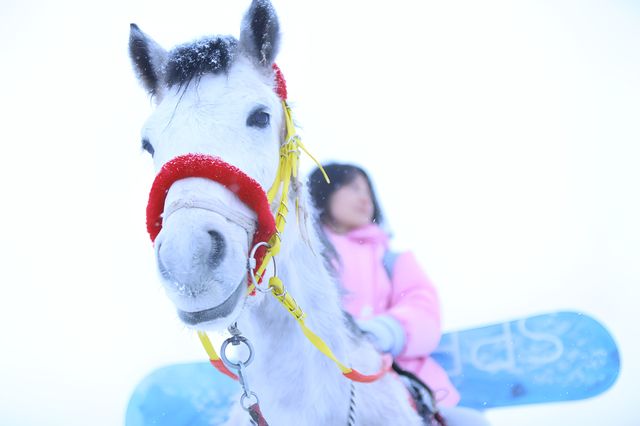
(215, 106)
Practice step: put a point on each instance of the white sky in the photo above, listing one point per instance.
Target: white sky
(502, 137)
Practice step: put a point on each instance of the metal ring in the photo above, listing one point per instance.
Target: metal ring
(252, 254)
(236, 340)
(244, 397)
(251, 265)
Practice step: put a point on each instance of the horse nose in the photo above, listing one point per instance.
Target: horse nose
(190, 257)
(218, 248)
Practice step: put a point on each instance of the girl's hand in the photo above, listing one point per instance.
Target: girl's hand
(385, 333)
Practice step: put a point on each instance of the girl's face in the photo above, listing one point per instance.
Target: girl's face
(351, 206)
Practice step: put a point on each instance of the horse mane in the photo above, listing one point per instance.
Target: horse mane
(208, 55)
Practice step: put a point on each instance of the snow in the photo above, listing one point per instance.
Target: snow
(502, 138)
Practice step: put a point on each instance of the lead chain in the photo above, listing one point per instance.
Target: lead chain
(248, 400)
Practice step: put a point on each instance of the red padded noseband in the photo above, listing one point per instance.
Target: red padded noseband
(205, 166)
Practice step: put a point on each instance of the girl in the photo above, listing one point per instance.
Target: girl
(395, 304)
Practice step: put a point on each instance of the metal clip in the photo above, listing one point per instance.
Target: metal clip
(248, 398)
(252, 264)
(236, 340)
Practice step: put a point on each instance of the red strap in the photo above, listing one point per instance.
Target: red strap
(256, 415)
(364, 378)
(356, 376)
(219, 365)
(281, 84)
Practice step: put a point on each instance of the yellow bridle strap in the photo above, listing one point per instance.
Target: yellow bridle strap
(206, 343)
(295, 310)
(287, 172)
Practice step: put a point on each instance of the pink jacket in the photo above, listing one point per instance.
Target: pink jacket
(409, 297)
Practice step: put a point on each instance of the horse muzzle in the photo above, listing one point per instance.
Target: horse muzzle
(204, 216)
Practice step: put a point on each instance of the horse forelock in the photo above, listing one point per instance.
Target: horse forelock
(208, 55)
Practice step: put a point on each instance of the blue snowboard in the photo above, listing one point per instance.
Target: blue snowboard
(563, 356)
(554, 357)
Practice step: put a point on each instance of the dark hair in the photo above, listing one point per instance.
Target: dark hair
(339, 175)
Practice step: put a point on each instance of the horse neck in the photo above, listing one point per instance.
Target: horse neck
(287, 366)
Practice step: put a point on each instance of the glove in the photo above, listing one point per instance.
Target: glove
(385, 333)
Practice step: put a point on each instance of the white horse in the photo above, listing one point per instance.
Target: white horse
(216, 97)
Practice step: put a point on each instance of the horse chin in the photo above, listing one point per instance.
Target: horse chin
(217, 317)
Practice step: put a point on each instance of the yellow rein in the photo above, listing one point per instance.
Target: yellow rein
(288, 171)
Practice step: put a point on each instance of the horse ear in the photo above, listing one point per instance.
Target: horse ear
(148, 59)
(260, 32)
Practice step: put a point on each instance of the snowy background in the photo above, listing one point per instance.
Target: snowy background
(503, 138)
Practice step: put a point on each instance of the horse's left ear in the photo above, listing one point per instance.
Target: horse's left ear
(260, 32)
(148, 60)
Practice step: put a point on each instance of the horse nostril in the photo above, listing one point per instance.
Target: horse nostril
(163, 269)
(217, 249)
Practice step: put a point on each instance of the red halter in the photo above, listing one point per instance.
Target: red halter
(235, 180)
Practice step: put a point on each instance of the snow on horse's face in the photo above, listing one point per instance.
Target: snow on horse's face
(214, 96)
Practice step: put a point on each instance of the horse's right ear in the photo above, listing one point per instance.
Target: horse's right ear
(148, 59)
(260, 32)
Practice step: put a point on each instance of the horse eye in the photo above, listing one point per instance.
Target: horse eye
(258, 118)
(146, 145)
